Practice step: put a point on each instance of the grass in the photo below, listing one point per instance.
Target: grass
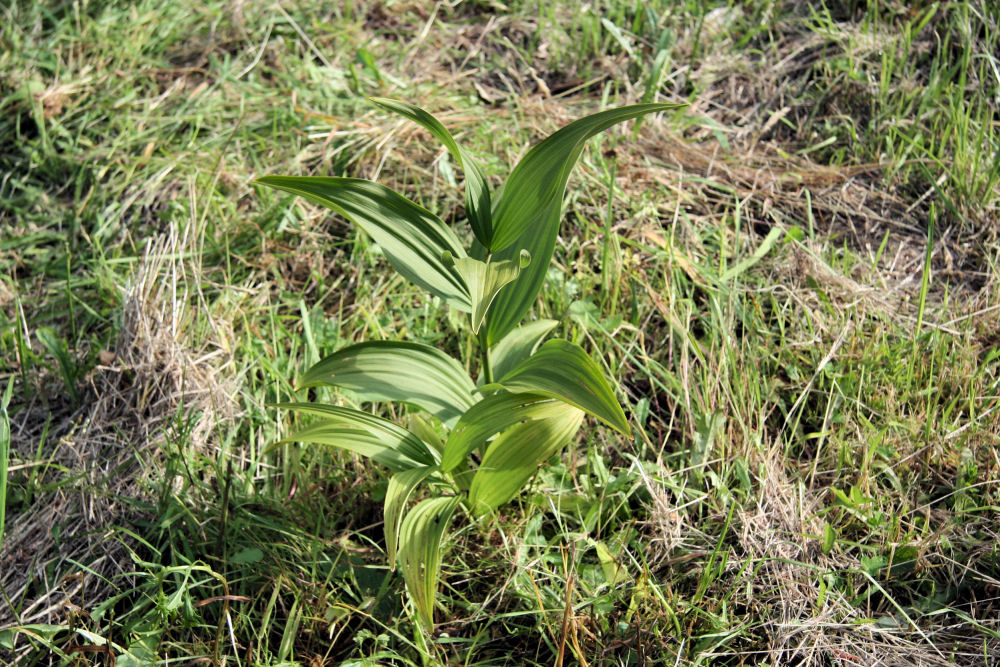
(795, 281)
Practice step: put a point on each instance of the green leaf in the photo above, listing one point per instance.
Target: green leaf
(484, 280)
(518, 345)
(614, 573)
(419, 554)
(490, 416)
(513, 458)
(401, 486)
(538, 182)
(477, 192)
(398, 371)
(357, 431)
(530, 207)
(45, 632)
(563, 370)
(248, 555)
(423, 430)
(290, 633)
(829, 538)
(412, 237)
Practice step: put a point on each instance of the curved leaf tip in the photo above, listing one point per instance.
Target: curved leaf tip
(565, 371)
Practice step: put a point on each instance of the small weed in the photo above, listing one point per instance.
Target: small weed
(527, 403)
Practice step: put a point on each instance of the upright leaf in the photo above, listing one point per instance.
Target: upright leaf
(378, 439)
(484, 280)
(413, 238)
(512, 458)
(490, 416)
(563, 370)
(401, 486)
(518, 345)
(539, 179)
(477, 192)
(398, 371)
(423, 430)
(530, 208)
(419, 554)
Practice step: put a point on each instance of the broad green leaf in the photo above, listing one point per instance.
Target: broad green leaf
(44, 632)
(248, 555)
(614, 573)
(477, 192)
(518, 345)
(419, 553)
(401, 486)
(412, 237)
(398, 371)
(490, 416)
(512, 458)
(563, 370)
(357, 431)
(484, 280)
(422, 428)
(530, 208)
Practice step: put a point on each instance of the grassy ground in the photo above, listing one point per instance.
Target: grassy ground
(795, 280)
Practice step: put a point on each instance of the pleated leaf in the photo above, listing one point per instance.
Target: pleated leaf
(398, 371)
(419, 555)
(517, 346)
(401, 486)
(423, 430)
(413, 238)
(563, 370)
(513, 458)
(356, 431)
(477, 192)
(492, 415)
(530, 207)
(484, 280)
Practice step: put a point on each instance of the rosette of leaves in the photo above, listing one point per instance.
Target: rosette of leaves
(530, 397)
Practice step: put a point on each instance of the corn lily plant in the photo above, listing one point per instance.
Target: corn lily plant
(530, 397)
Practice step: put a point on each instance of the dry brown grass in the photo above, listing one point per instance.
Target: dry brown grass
(92, 459)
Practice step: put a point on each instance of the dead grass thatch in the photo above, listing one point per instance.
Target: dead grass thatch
(93, 459)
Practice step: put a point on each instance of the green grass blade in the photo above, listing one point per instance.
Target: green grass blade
(513, 458)
(419, 556)
(477, 192)
(765, 247)
(401, 486)
(58, 348)
(361, 432)
(490, 416)
(529, 209)
(413, 239)
(563, 370)
(925, 276)
(398, 371)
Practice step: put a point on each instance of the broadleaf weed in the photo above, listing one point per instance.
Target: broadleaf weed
(525, 405)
